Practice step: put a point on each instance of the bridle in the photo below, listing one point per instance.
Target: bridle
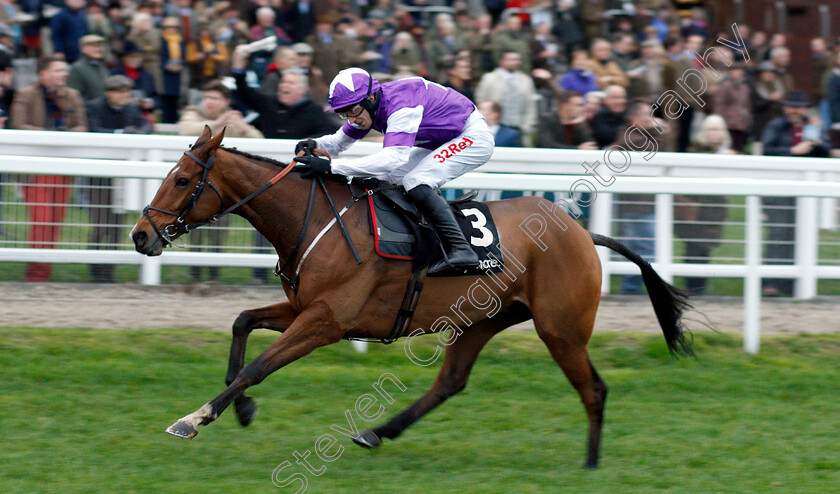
(180, 226)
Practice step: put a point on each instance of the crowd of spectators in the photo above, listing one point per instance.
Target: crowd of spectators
(171, 48)
(562, 74)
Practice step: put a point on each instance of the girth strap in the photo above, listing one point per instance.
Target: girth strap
(413, 290)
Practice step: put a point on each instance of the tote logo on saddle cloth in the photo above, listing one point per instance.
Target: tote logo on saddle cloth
(453, 149)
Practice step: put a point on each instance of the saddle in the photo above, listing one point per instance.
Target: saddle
(400, 232)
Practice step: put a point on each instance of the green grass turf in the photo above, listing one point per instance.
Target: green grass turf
(84, 411)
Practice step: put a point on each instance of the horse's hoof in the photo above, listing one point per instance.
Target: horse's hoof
(182, 429)
(246, 411)
(367, 439)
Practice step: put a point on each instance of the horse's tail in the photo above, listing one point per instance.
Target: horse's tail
(669, 302)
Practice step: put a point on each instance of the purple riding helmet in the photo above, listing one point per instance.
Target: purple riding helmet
(351, 87)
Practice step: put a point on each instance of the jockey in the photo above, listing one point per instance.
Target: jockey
(432, 135)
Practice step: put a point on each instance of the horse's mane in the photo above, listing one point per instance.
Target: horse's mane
(255, 157)
(280, 164)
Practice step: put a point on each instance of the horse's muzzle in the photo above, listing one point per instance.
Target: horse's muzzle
(144, 244)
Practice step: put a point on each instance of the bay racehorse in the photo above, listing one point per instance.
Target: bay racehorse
(554, 278)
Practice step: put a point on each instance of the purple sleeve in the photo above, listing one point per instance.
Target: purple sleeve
(398, 139)
(354, 132)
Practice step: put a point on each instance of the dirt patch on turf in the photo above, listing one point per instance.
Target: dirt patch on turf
(60, 305)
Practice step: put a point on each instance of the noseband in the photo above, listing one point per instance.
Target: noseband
(180, 226)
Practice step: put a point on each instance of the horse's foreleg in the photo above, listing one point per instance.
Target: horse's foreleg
(313, 328)
(452, 378)
(277, 317)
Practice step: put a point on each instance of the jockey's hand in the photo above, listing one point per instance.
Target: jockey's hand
(315, 165)
(306, 145)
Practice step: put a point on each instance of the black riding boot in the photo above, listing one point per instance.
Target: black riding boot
(436, 210)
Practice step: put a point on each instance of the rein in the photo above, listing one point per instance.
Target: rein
(180, 227)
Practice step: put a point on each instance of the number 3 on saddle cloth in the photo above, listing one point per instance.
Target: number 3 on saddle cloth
(394, 222)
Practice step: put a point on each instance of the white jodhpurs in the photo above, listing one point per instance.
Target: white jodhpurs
(468, 151)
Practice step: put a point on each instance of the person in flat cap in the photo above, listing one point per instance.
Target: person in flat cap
(88, 73)
(116, 112)
(91, 39)
(793, 135)
(113, 113)
(317, 86)
(303, 49)
(118, 83)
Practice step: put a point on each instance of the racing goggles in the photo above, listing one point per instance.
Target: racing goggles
(353, 112)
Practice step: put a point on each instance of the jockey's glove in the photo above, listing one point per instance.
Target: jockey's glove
(314, 165)
(306, 145)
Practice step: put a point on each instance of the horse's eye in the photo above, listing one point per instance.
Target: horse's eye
(181, 182)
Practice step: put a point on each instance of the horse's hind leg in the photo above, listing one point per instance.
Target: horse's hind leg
(573, 358)
(452, 378)
(277, 317)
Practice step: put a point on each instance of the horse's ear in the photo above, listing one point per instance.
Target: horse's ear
(214, 143)
(204, 137)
